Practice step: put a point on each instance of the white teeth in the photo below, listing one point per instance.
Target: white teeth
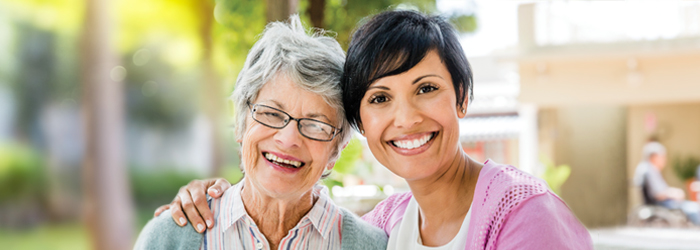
(274, 158)
(411, 144)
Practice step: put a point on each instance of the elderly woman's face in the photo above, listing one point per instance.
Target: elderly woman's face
(282, 162)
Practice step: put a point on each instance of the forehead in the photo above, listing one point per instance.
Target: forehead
(431, 64)
(290, 97)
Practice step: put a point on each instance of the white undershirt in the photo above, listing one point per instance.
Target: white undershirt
(406, 234)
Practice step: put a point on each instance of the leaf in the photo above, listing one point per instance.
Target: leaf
(555, 176)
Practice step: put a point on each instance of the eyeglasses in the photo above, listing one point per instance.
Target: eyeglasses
(278, 119)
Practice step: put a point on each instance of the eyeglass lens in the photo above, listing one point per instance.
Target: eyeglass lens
(278, 119)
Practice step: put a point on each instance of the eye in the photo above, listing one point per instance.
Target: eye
(426, 89)
(315, 127)
(272, 114)
(378, 99)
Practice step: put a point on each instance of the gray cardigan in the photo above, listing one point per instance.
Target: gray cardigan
(162, 233)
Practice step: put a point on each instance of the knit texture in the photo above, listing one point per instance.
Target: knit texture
(162, 233)
(505, 200)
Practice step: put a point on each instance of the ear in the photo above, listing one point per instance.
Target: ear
(330, 165)
(462, 108)
(362, 131)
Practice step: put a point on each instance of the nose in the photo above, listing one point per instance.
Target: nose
(288, 136)
(406, 115)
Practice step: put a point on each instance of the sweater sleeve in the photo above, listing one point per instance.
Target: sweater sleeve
(162, 233)
(543, 222)
(358, 234)
(388, 212)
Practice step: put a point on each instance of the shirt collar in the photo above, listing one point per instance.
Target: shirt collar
(231, 206)
(322, 214)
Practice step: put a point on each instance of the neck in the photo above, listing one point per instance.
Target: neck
(275, 216)
(447, 195)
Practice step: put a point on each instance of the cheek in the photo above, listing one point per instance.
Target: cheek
(372, 119)
(372, 128)
(249, 150)
(322, 155)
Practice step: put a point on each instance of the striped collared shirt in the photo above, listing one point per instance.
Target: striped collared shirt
(320, 228)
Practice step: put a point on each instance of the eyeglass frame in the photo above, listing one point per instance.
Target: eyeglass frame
(252, 106)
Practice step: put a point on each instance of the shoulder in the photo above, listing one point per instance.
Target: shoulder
(544, 222)
(517, 206)
(545, 207)
(162, 233)
(506, 186)
(509, 175)
(358, 234)
(382, 213)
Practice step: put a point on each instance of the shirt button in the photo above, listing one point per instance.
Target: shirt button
(258, 245)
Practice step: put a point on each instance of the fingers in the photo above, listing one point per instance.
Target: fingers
(160, 209)
(199, 198)
(176, 211)
(218, 187)
(191, 203)
(190, 209)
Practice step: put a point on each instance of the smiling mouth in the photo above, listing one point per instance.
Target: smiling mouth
(282, 162)
(415, 143)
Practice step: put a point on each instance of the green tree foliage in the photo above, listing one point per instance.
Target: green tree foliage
(349, 157)
(239, 22)
(463, 23)
(52, 15)
(342, 16)
(347, 164)
(21, 173)
(172, 27)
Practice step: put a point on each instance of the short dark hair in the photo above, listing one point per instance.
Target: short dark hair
(393, 42)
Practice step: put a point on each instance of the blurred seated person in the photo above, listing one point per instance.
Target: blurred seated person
(695, 186)
(655, 189)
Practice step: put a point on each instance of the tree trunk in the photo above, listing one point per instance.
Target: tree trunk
(316, 14)
(279, 10)
(108, 205)
(213, 92)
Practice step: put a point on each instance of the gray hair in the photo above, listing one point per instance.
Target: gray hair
(310, 59)
(652, 148)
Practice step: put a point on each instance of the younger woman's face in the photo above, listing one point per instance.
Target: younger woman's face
(411, 119)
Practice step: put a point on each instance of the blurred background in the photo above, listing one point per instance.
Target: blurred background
(108, 107)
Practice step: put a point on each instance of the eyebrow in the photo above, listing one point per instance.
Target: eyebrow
(421, 78)
(318, 115)
(378, 87)
(279, 105)
(414, 82)
(308, 115)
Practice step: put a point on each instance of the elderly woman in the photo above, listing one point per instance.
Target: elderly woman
(406, 84)
(291, 126)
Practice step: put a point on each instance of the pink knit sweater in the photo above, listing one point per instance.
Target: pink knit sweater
(511, 210)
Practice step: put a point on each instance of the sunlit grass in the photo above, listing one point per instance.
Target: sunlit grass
(72, 236)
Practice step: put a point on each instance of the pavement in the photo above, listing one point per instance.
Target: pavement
(632, 238)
